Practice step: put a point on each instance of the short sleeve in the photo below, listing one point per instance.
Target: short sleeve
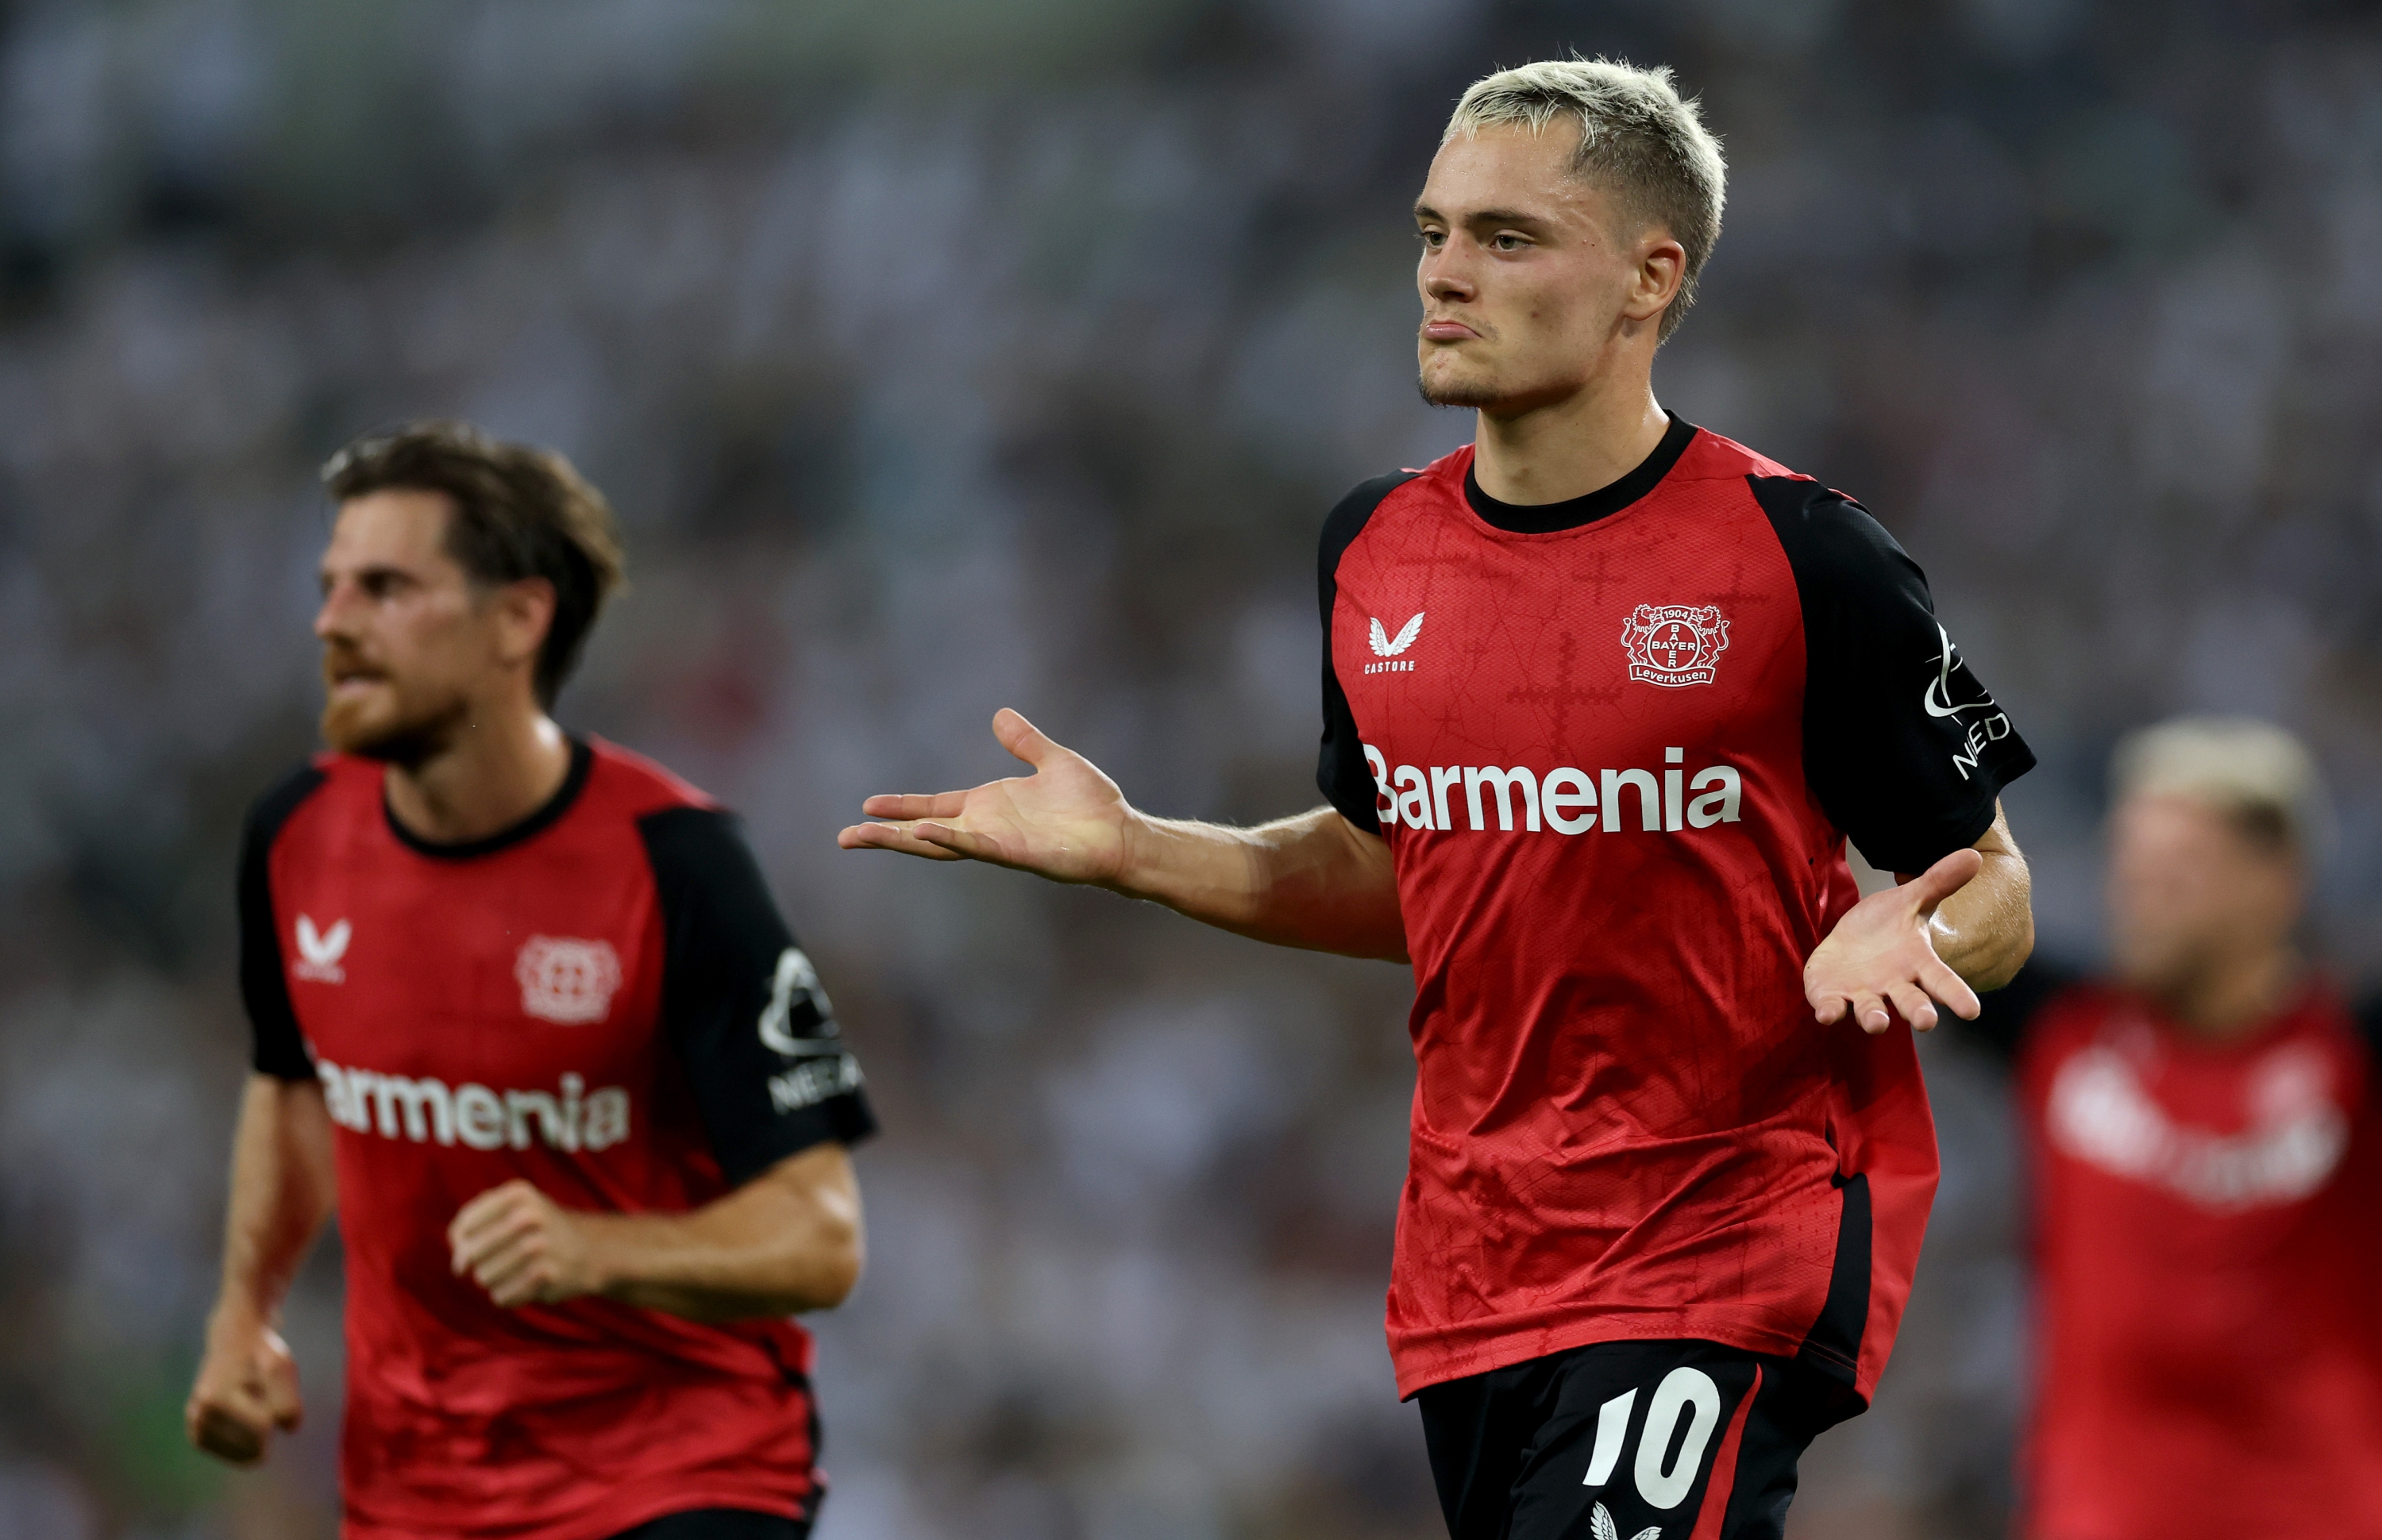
(742, 1003)
(1340, 771)
(276, 1046)
(1903, 745)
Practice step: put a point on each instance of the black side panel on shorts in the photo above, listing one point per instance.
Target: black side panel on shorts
(277, 1047)
(1339, 770)
(741, 1004)
(1905, 749)
(1832, 1349)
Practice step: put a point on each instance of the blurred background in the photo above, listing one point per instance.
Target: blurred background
(943, 354)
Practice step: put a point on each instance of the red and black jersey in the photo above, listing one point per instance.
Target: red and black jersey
(605, 1001)
(1615, 746)
(2209, 1358)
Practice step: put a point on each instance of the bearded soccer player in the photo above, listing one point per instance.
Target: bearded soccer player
(2204, 1140)
(527, 1019)
(1604, 693)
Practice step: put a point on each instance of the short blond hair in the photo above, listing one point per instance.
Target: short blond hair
(2254, 773)
(1640, 141)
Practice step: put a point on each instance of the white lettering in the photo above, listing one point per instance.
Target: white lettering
(1719, 806)
(479, 1116)
(1650, 812)
(1565, 789)
(1568, 800)
(1386, 808)
(1414, 797)
(1475, 778)
(607, 1118)
(813, 1081)
(518, 1105)
(1441, 778)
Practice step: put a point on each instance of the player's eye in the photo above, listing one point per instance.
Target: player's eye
(1434, 238)
(1506, 240)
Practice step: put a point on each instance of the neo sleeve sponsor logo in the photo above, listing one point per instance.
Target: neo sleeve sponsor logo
(827, 1068)
(427, 1111)
(1952, 695)
(1452, 798)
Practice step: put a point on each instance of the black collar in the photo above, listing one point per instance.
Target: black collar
(583, 760)
(1572, 512)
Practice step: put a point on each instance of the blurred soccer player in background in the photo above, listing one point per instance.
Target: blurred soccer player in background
(1604, 693)
(527, 1018)
(2206, 1171)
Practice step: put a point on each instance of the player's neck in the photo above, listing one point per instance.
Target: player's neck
(1569, 447)
(498, 771)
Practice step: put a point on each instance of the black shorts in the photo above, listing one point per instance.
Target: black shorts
(1625, 1441)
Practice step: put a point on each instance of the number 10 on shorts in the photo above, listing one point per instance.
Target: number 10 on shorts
(1663, 1478)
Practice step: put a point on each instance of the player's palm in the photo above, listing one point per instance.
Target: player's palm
(1879, 959)
(1066, 821)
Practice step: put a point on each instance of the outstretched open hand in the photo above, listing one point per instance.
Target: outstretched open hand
(1879, 962)
(1066, 821)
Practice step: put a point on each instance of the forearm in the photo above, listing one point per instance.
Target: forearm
(1313, 881)
(282, 1191)
(1986, 932)
(786, 1241)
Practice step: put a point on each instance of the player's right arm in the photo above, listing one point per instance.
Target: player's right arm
(1315, 880)
(281, 1197)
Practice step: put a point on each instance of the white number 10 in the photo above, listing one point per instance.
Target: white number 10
(1681, 1388)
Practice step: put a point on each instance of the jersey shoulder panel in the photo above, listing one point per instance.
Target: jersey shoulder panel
(742, 1003)
(1339, 770)
(276, 1046)
(641, 785)
(1715, 456)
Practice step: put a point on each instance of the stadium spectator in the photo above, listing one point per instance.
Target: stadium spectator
(527, 1019)
(2204, 1164)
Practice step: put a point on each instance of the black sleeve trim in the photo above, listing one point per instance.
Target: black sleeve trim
(277, 1047)
(741, 1004)
(2010, 1010)
(1341, 773)
(1905, 749)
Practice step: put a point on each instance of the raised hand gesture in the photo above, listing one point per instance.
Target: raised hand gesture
(1066, 821)
(1881, 955)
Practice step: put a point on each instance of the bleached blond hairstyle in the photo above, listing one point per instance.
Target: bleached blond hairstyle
(2254, 772)
(1640, 143)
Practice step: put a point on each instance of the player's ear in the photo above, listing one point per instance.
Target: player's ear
(524, 611)
(1661, 263)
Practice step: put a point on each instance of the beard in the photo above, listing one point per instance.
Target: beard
(408, 731)
(1456, 393)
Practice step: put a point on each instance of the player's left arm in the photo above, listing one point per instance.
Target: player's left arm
(790, 1240)
(1909, 752)
(779, 1095)
(1964, 925)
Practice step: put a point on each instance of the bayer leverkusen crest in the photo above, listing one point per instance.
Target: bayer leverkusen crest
(1674, 644)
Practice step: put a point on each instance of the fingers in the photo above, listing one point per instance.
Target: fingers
(1911, 1004)
(908, 805)
(222, 1433)
(1021, 737)
(490, 1222)
(1945, 878)
(1938, 980)
(890, 837)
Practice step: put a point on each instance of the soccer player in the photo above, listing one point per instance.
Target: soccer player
(1604, 695)
(526, 1017)
(2204, 1165)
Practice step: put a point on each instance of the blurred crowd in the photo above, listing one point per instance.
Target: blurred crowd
(943, 354)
